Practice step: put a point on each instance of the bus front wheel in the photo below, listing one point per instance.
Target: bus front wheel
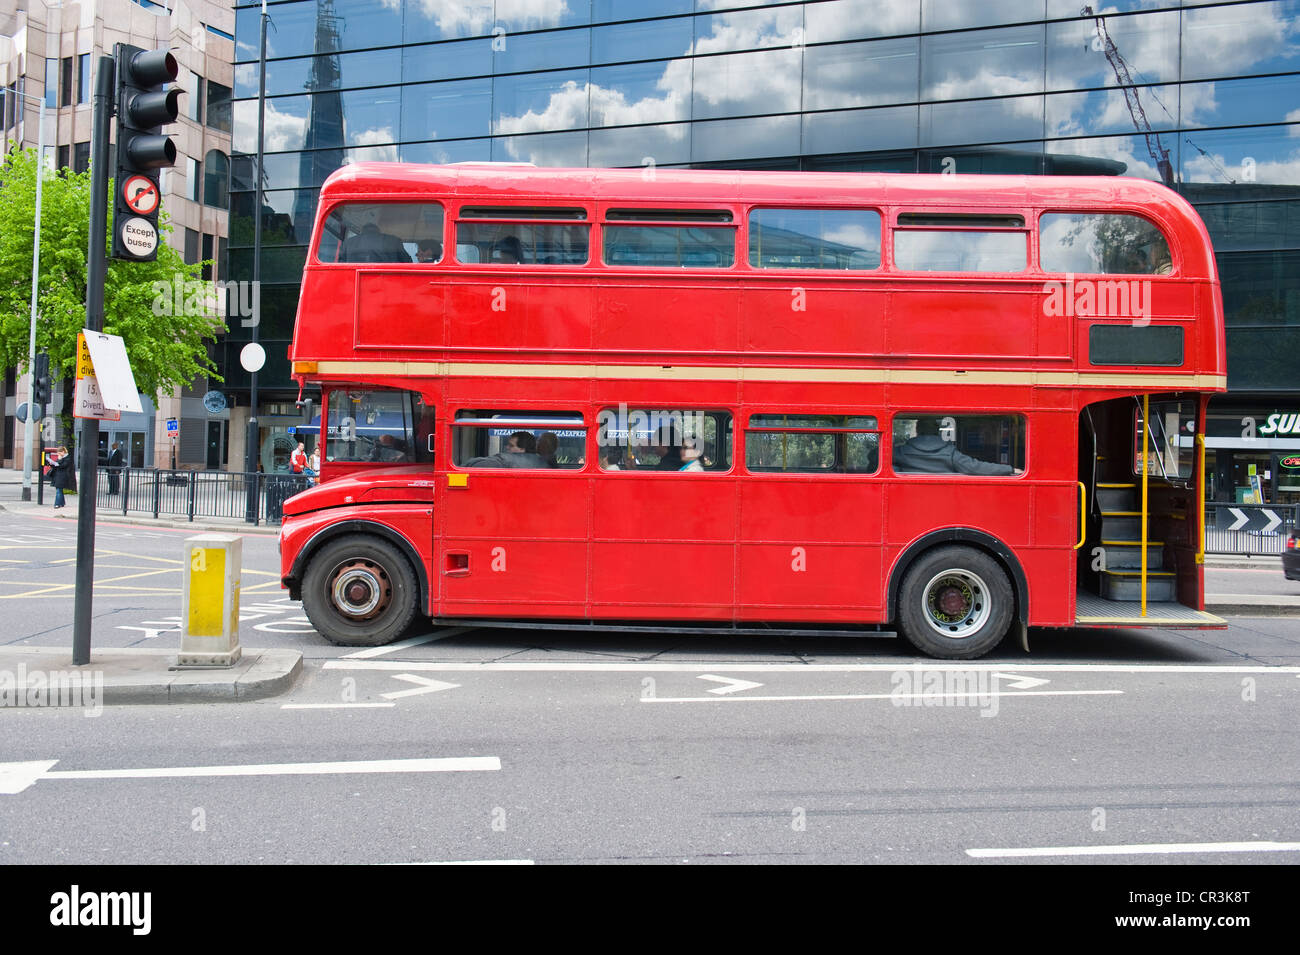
(955, 603)
(360, 591)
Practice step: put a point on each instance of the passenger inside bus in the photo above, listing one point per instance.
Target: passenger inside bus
(520, 452)
(429, 250)
(929, 453)
(547, 445)
(371, 245)
(507, 250)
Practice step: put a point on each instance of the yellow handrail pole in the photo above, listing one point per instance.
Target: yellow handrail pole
(1145, 421)
(1083, 514)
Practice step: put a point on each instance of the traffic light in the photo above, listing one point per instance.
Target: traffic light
(42, 386)
(143, 108)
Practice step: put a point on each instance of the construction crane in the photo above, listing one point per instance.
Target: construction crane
(1135, 110)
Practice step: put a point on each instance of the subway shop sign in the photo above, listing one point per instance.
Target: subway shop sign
(1279, 423)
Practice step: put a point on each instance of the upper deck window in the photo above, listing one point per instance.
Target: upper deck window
(814, 239)
(1098, 243)
(671, 238)
(382, 232)
(960, 250)
(521, 235)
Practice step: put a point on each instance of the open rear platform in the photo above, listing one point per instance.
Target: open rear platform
(1093, 611)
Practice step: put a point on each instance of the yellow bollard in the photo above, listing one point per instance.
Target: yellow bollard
(210, 607)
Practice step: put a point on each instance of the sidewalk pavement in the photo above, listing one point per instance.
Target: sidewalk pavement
(30, 676)
(11, 503)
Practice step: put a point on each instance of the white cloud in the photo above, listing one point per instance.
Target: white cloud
(382, 148)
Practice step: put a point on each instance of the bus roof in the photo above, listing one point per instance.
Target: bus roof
(391, 180)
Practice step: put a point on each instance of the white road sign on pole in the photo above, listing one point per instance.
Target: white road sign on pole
(113, 369)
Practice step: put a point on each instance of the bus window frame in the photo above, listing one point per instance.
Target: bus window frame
(883, 265)
(455, 220)
(519, 423)
(729, 471)
(1175, 270)
(323, 217)
(1028, 229)
(820, 473)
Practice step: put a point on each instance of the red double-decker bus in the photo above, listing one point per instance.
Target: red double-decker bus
(950, 406)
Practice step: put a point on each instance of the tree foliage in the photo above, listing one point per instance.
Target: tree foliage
(166, 351)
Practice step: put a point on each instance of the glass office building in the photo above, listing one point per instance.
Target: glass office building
(1204, 97)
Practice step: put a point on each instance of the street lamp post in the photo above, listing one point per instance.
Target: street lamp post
(30, 427)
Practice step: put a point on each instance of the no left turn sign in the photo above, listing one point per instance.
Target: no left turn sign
(141, 195)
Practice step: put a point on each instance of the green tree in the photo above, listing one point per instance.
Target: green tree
(166, 350)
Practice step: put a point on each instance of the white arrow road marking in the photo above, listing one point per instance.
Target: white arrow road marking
(1273, 520)
(424, 685)
(1018, 682)
(15, 777)
(1154, 848)
(728, 684)
(1242, 519)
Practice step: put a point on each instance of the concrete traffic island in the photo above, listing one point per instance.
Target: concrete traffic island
(39, 677)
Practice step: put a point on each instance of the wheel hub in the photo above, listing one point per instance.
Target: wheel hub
(956, 603)
(360, 590)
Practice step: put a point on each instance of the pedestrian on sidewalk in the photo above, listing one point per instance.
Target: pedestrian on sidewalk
(61, 477)
(114, 468)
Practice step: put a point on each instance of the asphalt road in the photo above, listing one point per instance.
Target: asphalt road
(554, 746)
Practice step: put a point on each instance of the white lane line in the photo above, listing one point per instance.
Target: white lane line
(15, 777)
(470, 862)
(335, 706)
(577, 667)
(1154, 848)
(370, 652)
(877, 696)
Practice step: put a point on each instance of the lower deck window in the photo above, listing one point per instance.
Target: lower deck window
(660, 439)
(959, 444)
(812, 444)
(519, 439)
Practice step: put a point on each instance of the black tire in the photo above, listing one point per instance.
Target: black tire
(956, 603)
(360, 591)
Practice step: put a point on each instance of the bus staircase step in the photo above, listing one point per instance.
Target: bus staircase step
(1127, 585)
(1117, 497)
(1127, 554)
(1093, 611)
(1121, 526)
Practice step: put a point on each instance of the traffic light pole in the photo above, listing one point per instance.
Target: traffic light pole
(88, 445)
(29, 437)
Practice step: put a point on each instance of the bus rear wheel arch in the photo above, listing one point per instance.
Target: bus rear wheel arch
(360, 591)
(955, 603)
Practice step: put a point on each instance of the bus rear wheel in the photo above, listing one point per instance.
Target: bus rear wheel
(360, 591)
(955, 604)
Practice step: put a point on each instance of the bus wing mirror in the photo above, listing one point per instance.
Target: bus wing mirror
(306, 405)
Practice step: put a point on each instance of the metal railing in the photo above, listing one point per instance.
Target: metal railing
(1248, 529)
(229, 495)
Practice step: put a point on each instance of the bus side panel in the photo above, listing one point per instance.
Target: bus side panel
(513, 313)
(668, 315)
(810, 548)
(1050, 566)
(399, 310)
(993, 319)
(807, 317)
(663, 546)
(514, 543)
